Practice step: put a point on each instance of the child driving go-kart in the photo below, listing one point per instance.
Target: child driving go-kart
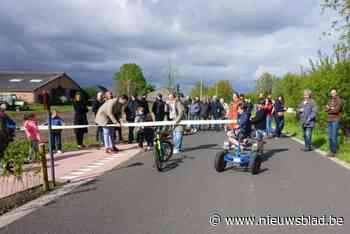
(243, 131)
(240, 150)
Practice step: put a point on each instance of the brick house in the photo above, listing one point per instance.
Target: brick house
(29, 86)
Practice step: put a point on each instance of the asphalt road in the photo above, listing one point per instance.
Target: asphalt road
(135, 198)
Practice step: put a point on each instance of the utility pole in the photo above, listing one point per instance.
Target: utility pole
(201, 90)
(216, 89)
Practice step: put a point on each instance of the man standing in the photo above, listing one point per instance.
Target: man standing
(195, 110)
(279, 110)
(225, 110)
(143, 102)
(130, 112)
(307, 110)
(96, 104)
(216, 111)
(204, 113)
(107, 114)
(158, 109)
(333, 108)
(177, 113)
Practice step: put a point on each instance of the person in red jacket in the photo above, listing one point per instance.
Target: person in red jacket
(233, 113)
(269, 109)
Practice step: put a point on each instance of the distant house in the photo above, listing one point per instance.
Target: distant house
(151, 97)
(29, 86)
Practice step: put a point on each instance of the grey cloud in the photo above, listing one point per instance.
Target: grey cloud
(208, 40)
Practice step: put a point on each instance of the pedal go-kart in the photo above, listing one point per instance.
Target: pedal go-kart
(237, 154)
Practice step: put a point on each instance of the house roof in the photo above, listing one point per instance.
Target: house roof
(26, 81)
(163, 91)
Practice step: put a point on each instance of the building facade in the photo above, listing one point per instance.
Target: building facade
(30, 86)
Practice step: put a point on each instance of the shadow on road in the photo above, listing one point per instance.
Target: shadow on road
(136, 164)
(270, 153)
(243, 169)
(173, 163)
(207, 146)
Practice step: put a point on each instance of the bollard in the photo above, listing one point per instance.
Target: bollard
(44, 167)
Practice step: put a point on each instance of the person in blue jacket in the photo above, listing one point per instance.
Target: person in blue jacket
(216, 111)
(56, 120)
(243, 122)
(307, 111)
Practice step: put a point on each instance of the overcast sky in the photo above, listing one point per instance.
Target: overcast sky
(203, 39)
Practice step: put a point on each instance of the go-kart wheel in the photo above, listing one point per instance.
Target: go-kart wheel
(220, 162)
(255, 163)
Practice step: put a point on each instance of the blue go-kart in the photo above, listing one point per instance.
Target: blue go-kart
(247, 156)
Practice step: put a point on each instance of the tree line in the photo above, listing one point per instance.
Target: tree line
(326, 73)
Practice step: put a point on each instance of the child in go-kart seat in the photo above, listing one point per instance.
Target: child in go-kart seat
(243, 122)
(242, 133)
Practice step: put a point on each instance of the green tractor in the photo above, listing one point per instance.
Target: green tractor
(13, 103)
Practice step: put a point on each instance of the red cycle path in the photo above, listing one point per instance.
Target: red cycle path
(70, 166)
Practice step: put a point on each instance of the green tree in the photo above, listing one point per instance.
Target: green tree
(222, 89)
(90, 91)
(130, 80)
(264, 83)
(252, 96)
(196, 90)
(290, 87)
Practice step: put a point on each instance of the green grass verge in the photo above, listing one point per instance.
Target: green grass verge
(39, 108)
(319, 138)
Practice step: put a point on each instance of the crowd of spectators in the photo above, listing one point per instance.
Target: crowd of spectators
(108, 109)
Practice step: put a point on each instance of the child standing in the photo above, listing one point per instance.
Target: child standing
(33, 134)
(144, 133)
(56, 120)
(259, 121)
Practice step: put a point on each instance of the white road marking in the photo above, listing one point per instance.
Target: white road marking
(85, 169)
(68, 177)
(77, 173)
(92, 166)
(108, 159)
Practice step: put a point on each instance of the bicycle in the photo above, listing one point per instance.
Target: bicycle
(163, 149)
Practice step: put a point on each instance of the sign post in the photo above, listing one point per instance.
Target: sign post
(47, 106)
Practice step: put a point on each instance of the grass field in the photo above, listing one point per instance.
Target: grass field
(319, 138)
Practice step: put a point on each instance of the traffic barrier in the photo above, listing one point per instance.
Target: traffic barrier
(142, 124)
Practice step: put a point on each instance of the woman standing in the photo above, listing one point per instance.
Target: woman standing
(80, 118)
(307, 110)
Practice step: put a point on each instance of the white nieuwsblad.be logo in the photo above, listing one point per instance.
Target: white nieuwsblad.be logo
(215, 219)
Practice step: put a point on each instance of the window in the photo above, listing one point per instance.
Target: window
(16, 80)
(36, 81)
